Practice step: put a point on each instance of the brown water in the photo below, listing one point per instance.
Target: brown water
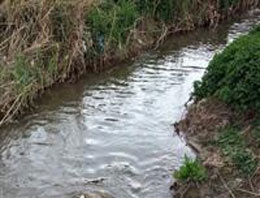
(110, 135)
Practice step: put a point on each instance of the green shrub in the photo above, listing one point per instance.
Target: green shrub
(191, 171)
(233, 76)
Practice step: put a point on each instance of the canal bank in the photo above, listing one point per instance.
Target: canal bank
(45, 43)
(222, 125)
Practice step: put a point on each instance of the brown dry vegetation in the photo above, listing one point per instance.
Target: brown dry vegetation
(43, 42)
(204, 118)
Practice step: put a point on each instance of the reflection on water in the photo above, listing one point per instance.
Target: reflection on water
(110, 134)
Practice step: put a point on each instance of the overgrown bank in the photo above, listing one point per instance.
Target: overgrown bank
(222, 125)
(47, 42)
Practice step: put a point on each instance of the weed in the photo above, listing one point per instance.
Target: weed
(191, 171)
(111, 23)
(22, 74)
(233, 145)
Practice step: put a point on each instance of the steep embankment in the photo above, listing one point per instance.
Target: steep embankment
(48, 42)
(223, 124)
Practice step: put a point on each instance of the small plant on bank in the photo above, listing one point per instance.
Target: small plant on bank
(234, 145)
(191, 171)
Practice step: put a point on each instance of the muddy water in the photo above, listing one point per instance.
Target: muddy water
(110, 135)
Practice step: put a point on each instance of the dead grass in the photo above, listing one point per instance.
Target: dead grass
(204, 118)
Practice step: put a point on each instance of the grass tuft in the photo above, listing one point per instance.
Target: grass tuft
(191, 171)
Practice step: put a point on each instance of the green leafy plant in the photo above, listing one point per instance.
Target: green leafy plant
(191, 171)
(233, 76)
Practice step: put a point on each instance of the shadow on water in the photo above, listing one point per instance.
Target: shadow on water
(110, 134)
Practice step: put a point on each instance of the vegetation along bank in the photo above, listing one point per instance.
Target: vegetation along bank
(44, 42)
(223, 126)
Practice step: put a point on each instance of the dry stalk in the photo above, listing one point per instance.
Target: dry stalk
(226, 185)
